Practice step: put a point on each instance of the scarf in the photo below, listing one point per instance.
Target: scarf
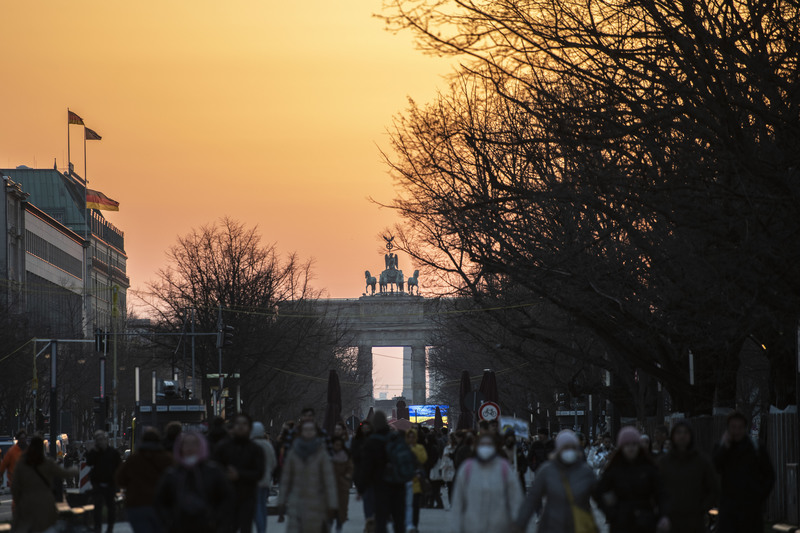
(306, 448)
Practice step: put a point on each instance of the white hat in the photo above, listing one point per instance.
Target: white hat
(566, 437)
(257, 431)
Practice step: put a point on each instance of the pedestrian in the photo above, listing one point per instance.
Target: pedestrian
(365, 493)
(217, 432)
(660, 442)
(448, 466)
(515, 456)
(104, 461)
(563, 486)
(540, 451)
(465, 449)
(381, 449)
(689, 480)
(308, 487)
(486, 493)
(244, 464)
(139, 475)
(194, 495)
(746, 476)
(414, 491)
(10, 461)
(259, 436)
(308, 414)
(171, 432)
(630, 491)
(32, 489)
(343, 472)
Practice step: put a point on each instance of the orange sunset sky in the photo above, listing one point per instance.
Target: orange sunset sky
(270, 112)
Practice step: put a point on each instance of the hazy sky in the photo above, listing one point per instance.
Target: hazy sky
(270, 112)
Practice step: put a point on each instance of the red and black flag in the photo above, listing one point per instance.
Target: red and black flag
(92, 135)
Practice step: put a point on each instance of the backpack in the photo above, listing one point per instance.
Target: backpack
(192, 509)
(402, 463)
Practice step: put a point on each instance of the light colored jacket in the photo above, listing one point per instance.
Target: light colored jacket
(549, 483)
(485, 496)
(308, 489)
(269, 461)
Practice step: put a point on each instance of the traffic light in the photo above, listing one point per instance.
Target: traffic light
(100, 340)
(230, 407)
(100, 406)
(39, 420)
(224, 336)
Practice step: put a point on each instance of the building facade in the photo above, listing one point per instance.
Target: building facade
(62, 267)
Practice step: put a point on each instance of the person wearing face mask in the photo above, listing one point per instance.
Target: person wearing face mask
(566, 483)
(194, 496)
(487, 491)
(308, 492)
(631, 490)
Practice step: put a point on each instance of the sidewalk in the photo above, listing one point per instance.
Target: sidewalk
(430, 521)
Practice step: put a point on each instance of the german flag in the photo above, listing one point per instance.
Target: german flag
(74, 118)
(98, 200)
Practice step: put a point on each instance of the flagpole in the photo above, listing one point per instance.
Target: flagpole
(68, 153)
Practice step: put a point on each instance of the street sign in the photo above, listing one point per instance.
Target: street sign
(473, 400)
(489, 411)
(570, 413)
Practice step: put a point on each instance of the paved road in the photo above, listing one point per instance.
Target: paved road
(431, 520)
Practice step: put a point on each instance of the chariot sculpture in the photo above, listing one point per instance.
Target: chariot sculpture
(392, 278)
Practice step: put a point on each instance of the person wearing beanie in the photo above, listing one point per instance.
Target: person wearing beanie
(631, 493)
(259, 436)
(566, 483)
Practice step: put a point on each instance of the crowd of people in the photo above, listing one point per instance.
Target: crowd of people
(220, 480)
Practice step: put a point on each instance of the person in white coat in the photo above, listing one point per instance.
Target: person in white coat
(487, 491)
(259, 436)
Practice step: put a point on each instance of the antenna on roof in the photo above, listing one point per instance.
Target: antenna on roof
(55, 164)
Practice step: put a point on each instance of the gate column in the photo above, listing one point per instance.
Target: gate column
(418, 368)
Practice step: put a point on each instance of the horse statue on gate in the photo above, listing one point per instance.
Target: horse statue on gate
(390, 279)
(371, 282)
(412, 282)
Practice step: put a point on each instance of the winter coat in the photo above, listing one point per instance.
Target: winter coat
(485, 496)
(104, 463)
(247, 458)
(140, 474)
(447, 465)
(35, 503)
(422, 457)
(308, 490)
(270, 462)
(343, 471)
(549, 484)
(372, 465)
(632, 496)
(692, 487)
(747, 477)
(9, 462)
(201, 493)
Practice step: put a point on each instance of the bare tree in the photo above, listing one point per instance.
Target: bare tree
(635, 164)
(283, 347)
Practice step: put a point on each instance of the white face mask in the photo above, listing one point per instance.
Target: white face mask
(569, 456)
(485, 452)
(190, 460)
